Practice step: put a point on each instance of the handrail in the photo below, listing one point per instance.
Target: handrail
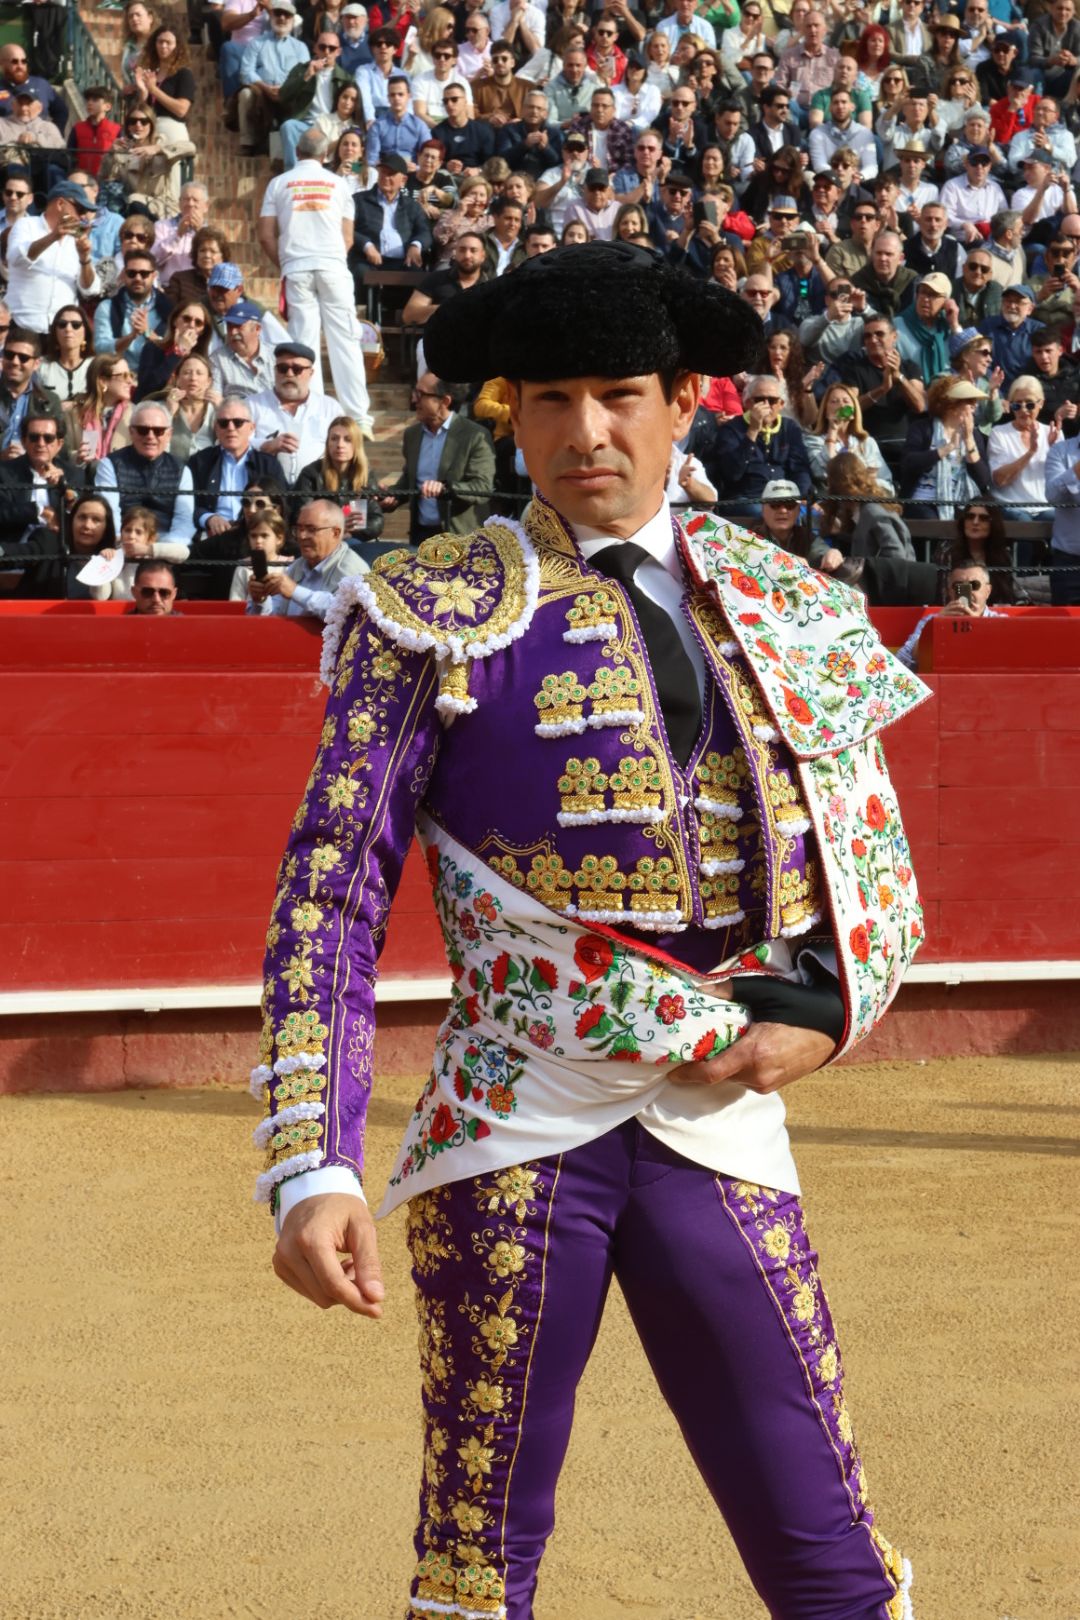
(85, 63)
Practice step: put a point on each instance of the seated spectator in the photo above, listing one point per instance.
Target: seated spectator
(759, 291)
(27, 137)
(890, 388)
(670, 215)
(265, 65)
(101, 420)
(397, 130)
(347, 160)
(36, 566)
(688, 485)
(146, 162)
(391, 229)
(680, 126)
(48, 256)
(22, 394)
(542, 239)
(959, 94)
(756, 447)
(352, 32)
(1007, 248)
(783, 518)
(1011, 331)
(436, 27)
(137, 230)
(843, 130)
(944, 462)
(245, 365)
(174, 238)
(139, 534)
(1017, 451)
(291, 421)
(474, 51)
(1063, 493)
(312, 88)
(609, 142)
(188, 331)
(267, 534)
(1054, 48)
(67, 354)
(631, 222)
(803, 283)
(969, 594)
(972, 201)
(910, 119)
(972, 357)
(1047, 135)
(427, 88)
(467, 142)
(209, 248)
(979, 537)
(224, 290)
(190, 399)
(449, 467)
(839, 431)
(886, 280)
(39, 485)
(924, 327)
(223, 470)
(1046, 194)
(165, 81)
(637, 102)
(342, 120)
(530, 144)
(503, 247)
(341, 475)
(932, 250)
(977, 294)
(15, 75)
(374, 79)
(840, 330)
(467, 267)
(857, 519)
(262, 497)
(308, 585)
(470, 216)
(139, 24)
(992, 75)
(145, 474)
(1015, 111)
(598, 209)
(788, 364)
(1056, 288)
(498, 94)
(18, 195)
(641, 180)
(974, 132)
(1057, 373)
(122, 321)
(154, 590)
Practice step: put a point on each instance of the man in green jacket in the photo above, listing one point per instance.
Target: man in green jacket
(311, 88)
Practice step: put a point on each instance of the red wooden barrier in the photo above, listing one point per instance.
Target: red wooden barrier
(151, 769)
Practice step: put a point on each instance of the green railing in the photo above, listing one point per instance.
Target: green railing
(85, 63)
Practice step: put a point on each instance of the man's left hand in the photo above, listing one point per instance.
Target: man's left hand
(431, 489)
(767, 1057)
(413, 258)
(275, 584)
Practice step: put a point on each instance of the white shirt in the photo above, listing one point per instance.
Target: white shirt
(37, 288)
(310, 423)
(534, 20)
(637, 108)
(965, 203)
(673, 28)
(1006, 445)
(309, 204)
(431, 90)
(1053, 201)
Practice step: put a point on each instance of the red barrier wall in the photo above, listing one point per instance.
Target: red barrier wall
(151, 770)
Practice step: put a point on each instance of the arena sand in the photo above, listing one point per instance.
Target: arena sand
(182, 1439)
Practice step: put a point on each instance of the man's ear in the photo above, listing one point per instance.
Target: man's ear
(685, 399)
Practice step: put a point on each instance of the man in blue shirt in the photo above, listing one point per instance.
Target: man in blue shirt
(1011, 332)
(15, 75)
(396, 128)
(122, 321)
(355, 50)
(264, 67)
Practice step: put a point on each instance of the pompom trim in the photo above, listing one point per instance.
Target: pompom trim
(266, 1128)
(432, 1606)
(659, 921)
(794, 826)
(448, 706)
(729, 921)
(713, 868)
(592, 818)
(766, 733)
(616, 717)
(592, 632)
(356, 592)
(734, 811)
(260, 1076)
(803, 927)
(295, 1166)
(561, 728)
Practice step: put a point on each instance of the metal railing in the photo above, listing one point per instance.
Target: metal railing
(84, 63)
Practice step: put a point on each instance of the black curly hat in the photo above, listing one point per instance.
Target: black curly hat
(596, 309)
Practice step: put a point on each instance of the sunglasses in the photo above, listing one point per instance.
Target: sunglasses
(154, 432)
(133, 272)
(783, 506)
(257, 501)
(16, 196)
(41, 438)
(138, 123)
(296, 370)
(766, 399)
(978, 269)
(443, 56)
(979, 163)
(864, 218)
(164, 591)
(65, 326)
(19, 359)
(1024, 405)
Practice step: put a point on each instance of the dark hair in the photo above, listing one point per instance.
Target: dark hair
(397, 78)
(21, 334)
(500, 204)
(181, 59)
(98, 499)
(998, 550)
(99, 91)
(153, 565)
(44, 415)
(210, 233)
(52, 342)
(770, 93)
(383, 36)
(537, 228)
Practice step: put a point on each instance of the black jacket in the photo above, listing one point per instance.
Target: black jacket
(309, 486)
(18, 509)
(534, 160)
(206, 476)
(410, 221)
(919, 458)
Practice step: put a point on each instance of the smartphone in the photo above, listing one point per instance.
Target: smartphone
(260, 568)
(705, 212)
(964, 589)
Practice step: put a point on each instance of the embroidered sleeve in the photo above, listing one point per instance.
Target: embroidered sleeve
(337, 879)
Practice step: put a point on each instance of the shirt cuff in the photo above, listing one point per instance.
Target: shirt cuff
(336, 1178)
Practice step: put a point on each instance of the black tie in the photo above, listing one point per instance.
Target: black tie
(673, 673)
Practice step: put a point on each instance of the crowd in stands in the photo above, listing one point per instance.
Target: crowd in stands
(891, 187)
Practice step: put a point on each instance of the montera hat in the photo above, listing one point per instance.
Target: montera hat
(596, 309)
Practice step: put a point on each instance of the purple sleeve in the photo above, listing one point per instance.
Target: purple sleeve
(338, 877)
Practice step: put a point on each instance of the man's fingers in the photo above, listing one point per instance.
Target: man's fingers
(299, 1280)
(367, 1270)
(328, 1277)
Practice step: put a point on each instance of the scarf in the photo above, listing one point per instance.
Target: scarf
(933, 349)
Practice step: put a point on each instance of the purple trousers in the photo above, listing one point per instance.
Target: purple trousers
(512, 1271)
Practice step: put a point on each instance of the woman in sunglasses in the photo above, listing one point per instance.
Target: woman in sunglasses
(189, 332)
(1017, 453)
(145, 162)
(100, 420)
(69, 350)
(263, 498)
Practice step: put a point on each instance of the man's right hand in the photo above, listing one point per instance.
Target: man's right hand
(328, 1252)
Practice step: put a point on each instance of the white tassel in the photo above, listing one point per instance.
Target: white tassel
(432, 1606)
(448, 706)
(561, 728)
(793, 828)
(302, 1060)
(592, 632)
(713, 868)
(729, 921)
(260, 1077)
(766, 733)
(732, 811)
(591, 818)
(803, 927)
(266, 1128)
(295, 1166)
(617, 717)
(907, 1612)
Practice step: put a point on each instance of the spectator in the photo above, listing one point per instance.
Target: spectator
(342, 120)
(291, 422)
(139, 534)
(146, 474)
(807, 66)
(661, 70)
(1054, 47)
(1017, 452)
(599, 208)
(310, 89)
(245, 365)
(467, 267)
(1006, 248)
(1047, 135)
(787, 363)
(498, 94)
(165, 81)
(759, 291)
(224, 289)
(1063, 493)
(972, 355)
(49, 261)
(138, 230)
(857, 521)
(530, 144)
(1055, 290)
(843, 130)
(39, 485)
(467, 142)
(539, 239)
(306, 229)
(188, 332)
(308, 585)
(1011, 331)
(101, 420)
(469, 215)
(341, 475)
(1015, 111)
(1057, 374)
(992, 75)
(265, 65)
(374, 79)
(428, 88)
(923, 328)
(241, 21)
(571, 91)
(139, 24)
(474, 53)
(637, 102)
(734, 150)
(190, 401)
(756, 447)
(390, 229)
(436, 27)
(890, 388)
(349, 163)
(27, 137)
(267, 534)
(979, 537)
(21, 392)
(803, 284)
(886, 280)
(223, 470)
(931, 250)
(974, 132)
(15, 75)
(913, 191)
(122, 321)
(41, 570)
(154, 590)
(262, 497)
(782, 518)
(680, 127)
(449, 467)
(673, 212)
(67, 354)
(174, 238)
(839, 431)
(944, 463)
(768, 249)
(396, 130)
(910, 37)
(846, 76)
(849, 256)
(352, 32)
(18, 195)
(969, 593)
(773, 130)
(609, 142)
(146, 161)
(977, 294)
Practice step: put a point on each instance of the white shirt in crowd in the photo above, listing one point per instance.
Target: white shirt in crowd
(310, 423)
(37, 288)
(309, 204)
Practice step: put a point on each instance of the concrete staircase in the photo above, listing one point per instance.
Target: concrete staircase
(236, 185)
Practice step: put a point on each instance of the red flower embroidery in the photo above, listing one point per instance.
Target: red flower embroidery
(443, 1125)
(797, 707)
(462, 1084)
(471, 1010)
(593, 956)
(669, 1009)
(588, 1020)
(695, 524)
(858, 848)
(541, 1035)
(705, 1047)
(860, 943)
(750, 619)
(498, 972)
(467, 924)
(547, 971)
(479, 1129)
(875, 813)
(747, 586)
(770, 652)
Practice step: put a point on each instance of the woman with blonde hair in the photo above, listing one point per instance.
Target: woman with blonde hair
(839, 430)
(341, 475)
(437, 25)
(470, 213)
(146, 162)
(191, 400)
(1017, 453)
(99, 422)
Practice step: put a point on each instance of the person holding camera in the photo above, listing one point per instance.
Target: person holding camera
(308, 585)
(968, 590)
(49, 258)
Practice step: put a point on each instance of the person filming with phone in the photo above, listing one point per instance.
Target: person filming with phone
(967, 597)
(307, 586)
(49, 259)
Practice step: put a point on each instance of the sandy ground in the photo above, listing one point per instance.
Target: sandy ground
(182, 1438)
